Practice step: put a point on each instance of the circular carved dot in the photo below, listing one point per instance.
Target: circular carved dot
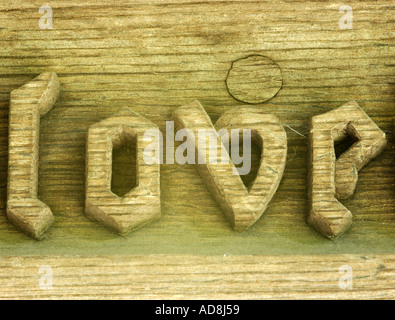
(254, 79)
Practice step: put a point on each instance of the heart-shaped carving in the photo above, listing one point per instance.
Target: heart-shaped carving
(241, 206)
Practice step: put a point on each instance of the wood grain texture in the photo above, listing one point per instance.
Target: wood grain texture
(242, 206)
(333, 179)
(194, 277)
(141, 204)
(254, 79)
(27, 104)
(154, 57)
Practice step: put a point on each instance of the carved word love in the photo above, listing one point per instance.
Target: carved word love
(330, 179)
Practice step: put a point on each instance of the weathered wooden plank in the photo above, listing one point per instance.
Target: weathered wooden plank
(159, 56)
(194, 277)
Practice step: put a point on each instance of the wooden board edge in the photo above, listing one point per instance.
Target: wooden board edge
(198, 277)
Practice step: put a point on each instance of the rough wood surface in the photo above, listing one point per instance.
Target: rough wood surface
(330, 178)
(254, 79)
(27, 104)
(242, 206)
(194, 277)
(141, 204)
(157, 56)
